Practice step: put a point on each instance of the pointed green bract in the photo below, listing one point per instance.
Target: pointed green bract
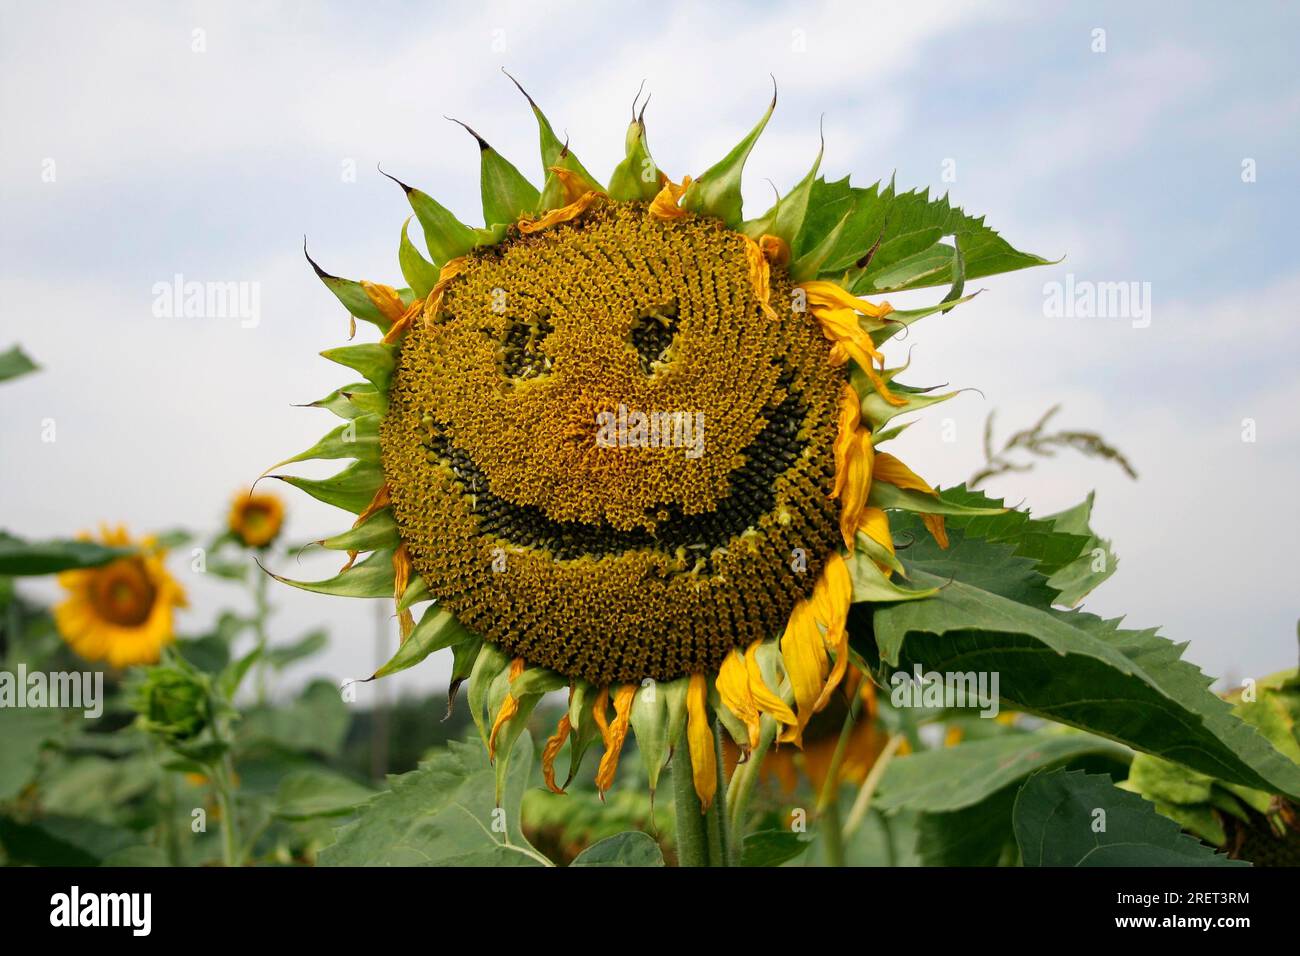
(872, 584)
(717, 192)
(341, 401)
(636, 178)
(352, 295)
(650, 725)
(371, 578)
(554, 153)
(376, 532)
(358, 438)
(507, 195)
(15, 362)
(887, 496)
(351, 489)
(420, 274)
(490, 662)
(785, 219)
(438, 628)
(374, 360)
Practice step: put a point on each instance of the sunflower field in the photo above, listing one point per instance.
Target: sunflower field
(624, 462)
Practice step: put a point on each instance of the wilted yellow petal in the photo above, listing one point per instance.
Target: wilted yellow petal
(614, 737)
(803, 651)
(733, 689)
(699, 739)
(849, 421)
(664, 205)
(830, 294)
(774, 249)
(767, 700)
(577, 203)
(385, 298)
(509, 707)
(401, 578)
(552, 750)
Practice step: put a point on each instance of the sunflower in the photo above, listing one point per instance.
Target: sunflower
(256, 518)
(627, 442)
(121, 612)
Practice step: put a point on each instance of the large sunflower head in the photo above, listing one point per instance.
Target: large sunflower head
(626, 441)
(121, 612)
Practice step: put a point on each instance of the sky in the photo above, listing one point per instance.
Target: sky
(204, 140)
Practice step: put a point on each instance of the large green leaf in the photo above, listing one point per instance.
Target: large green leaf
(953, 778)
(1077, 669)
(317, 792)
(632, 848)
(25, 732)
(1065, 818)
(1096, 561)
(443, 814)
(19, 557)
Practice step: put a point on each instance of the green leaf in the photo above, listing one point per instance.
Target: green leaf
(62, 841)
(317, 722)
(717, 192)
(1078, 670)
(19, 557)
(351, 489)
(1058, 822)
(372, 577)
(317, 792)
(443, 814)
(632, 848)
(438, 628)
(374, 360)
(772, 848)
(15, 362)
(977, 835)
(420, 274)
(898, 235)
(313, 642)
(1095, 563)
(785, 218)
(957, 777)
(25, 732)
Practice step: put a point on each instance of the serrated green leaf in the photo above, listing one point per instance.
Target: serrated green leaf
(1096, 561)
(1058, 822)
(443, 814)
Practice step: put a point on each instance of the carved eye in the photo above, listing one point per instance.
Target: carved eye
(523, 357)
(652, 336)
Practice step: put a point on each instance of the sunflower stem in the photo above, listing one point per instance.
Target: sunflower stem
(715, 818)
(260, 609)
(692, 839)
(744, 780)
(222, 775)
(828, 804)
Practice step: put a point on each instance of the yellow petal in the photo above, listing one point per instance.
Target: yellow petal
(401, 578)
(774, 249)
(859, 469)
(832, 597)
(664, 205)
(890, 469)
(767, 700)
(428, 307)
(509, 707)
(803, 651)
(614, 736)
(760, 275)
(875, 525)
(934, 524)
(733, 689)
(552, 750)
(849, 422)
(385, 298)
(577, 205)
(828, 293)
(699, 739)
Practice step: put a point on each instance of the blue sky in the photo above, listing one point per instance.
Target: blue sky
(213, 163)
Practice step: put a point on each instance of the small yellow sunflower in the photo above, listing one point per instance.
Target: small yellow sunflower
(256, 518)
(121, 612)
(626, 441)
